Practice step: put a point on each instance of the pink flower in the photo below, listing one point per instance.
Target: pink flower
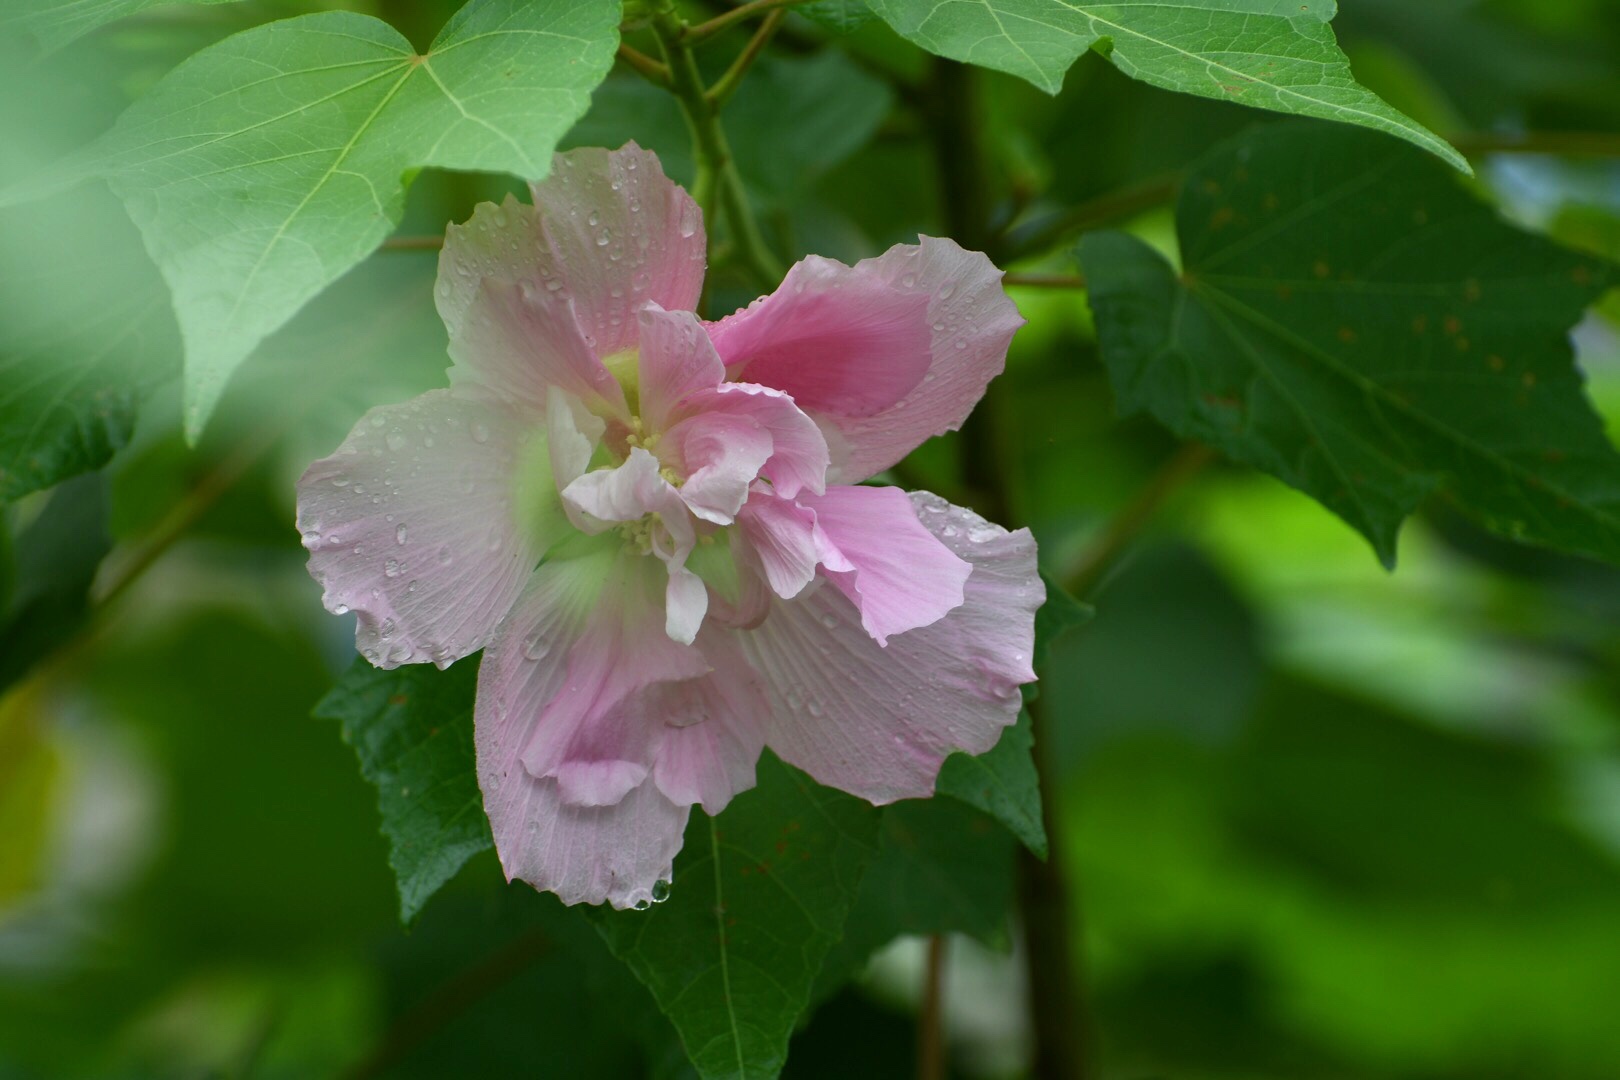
(647, 522)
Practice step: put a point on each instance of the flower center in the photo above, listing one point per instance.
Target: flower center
(625, 367)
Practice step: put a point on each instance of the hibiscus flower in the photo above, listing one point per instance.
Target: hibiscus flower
(651, 524)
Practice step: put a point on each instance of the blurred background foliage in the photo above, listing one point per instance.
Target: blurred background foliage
(1324, 821)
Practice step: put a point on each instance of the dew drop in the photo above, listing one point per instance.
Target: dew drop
(395, 441)
(660, 891)
(391, 568)
(480, 431)
(594, 219)
(399, 534)
(444, 555)
(535, 646)
(340, 609)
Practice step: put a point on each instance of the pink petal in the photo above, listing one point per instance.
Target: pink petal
(575, 646)
(886, 353)
(711, 728)
(521, 342)
(676, 359)
(607, 230)
(902, 576)
(782, 535)
(798, 458)
(722, 454)
(572, 433)
(876, 721)
(411, 525)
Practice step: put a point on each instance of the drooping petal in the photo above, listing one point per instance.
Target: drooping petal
(676, 359)
(411, 524)
(901, 576)
(786, 542)
(549, 646)
(886, 353)
(799, 456)
(607, 230)
(605, 498)
(711, 727)
(521, 342)
(876, 721)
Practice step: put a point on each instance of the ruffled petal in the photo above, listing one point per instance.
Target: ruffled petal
(900, 575)
(885, 354)
(575, 646)
(786, 543)
(710, 728)
(608, 231)
(798, 450)
(411, 524)
(676, 359)
(879, 722)
(722, 454)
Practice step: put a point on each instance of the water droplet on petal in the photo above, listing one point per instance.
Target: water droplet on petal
(660, 891)
(535, 646)
(399, 534)
(480, 431)
(391, 568)
(395, 441)
(444, 555)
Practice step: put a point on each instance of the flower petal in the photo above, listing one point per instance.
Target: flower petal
(602, 499)
(711, 729)
(572, 433)
(886, 353)
(559, 664)
(521, 342)
(879, 722)
(798, 451)
(676, 359)
(607, 229)
(411, 525)
(901, 575)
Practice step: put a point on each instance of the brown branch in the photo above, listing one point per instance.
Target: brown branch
(930, 1017)
(1125, 526)
(449, 1001)
(1044, 281)
(413, 243)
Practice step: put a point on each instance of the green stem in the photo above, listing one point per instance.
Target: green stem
(717, 183)
(701, 32)
(727, 84)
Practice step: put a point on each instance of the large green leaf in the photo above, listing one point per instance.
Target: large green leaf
(87, 331)
(760, 895)
(412, 729)
(54, 23)
(1272, 54)
(1350, 320)
(265, 166)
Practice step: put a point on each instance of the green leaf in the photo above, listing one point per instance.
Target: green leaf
(941, 868)
(842, 16)
(262, 168)
(760, 895)
(1002, 782)
(54, 23)
(87, 332)
(1350, 320)
(412, 729)
(1272, 54)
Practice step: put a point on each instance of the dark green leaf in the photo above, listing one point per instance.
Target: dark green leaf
(53, 23)
(1272, 54)
(942, 868)
(262, 168)
(1350, 320)
(1060, 613)
(844, 16)
(412, 729)
(760, 895)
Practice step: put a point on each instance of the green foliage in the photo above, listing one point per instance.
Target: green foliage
(1272, 54)
(1002, 783)
(54, 23)
(412, 731)
(1350, 320)
(88, 332)
(263, 167)
(759, 896)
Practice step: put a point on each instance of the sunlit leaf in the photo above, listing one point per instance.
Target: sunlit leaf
(1272, 54)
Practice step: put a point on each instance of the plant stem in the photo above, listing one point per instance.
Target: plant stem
(717, 181)
(1045, 281)
(727, 84)
(1043, 235)
(703, 31)
(931, 1016)
(1047, 899)
(1126, 525)
(644, 65)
